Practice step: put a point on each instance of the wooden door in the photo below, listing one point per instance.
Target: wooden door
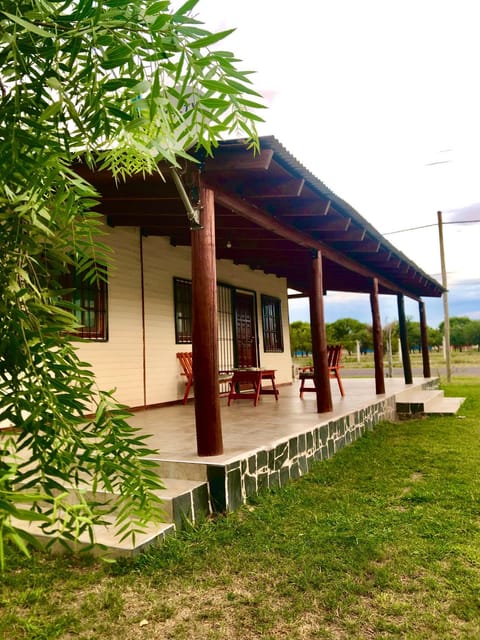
(245, 329)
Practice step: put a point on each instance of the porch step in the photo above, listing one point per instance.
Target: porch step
(445, 406)
(105, 535)
(176, 469)
(426, 401)
(182, 501)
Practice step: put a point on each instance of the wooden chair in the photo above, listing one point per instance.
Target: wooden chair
(185, 359)
(334, 353)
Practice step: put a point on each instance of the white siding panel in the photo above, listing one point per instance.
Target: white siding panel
(118, 363)
(162, 263)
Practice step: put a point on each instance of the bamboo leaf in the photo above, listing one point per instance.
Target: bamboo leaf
(211, 39)
(186, 8)
(157, 7)
(251, 116)
(220, 87)
(160, 22)
(119, 83)
(215, 103)
(29, 26)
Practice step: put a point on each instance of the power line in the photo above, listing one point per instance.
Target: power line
(426, 226)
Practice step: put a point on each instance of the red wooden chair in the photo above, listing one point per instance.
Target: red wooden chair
(334, 353)
(185, 359)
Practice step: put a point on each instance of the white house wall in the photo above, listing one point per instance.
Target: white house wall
(139, 357)
(118, 363)
(161, 263)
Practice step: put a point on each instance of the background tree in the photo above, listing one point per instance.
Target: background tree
(122, 84)
(300, 338)
(414, 335)
(346, 331)
(473, 333)
(460, 331)
(434, 337)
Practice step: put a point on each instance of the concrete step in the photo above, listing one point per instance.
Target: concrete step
(426, 401)
(105, 535)
(181, 469)
(445, 406)
(183, 501)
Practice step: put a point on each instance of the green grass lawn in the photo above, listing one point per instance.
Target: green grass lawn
(382, 541)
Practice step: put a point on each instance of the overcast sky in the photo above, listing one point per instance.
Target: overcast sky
(380, 99)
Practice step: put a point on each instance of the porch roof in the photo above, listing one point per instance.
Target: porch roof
(270, 213)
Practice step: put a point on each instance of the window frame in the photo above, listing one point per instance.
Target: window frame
(272, 324)
(182, 304)
(89, 300)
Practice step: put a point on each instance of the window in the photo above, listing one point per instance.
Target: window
(90, 303)
(183, 310)
(272, 324)
(183, 319)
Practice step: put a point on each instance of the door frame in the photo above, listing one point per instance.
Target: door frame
(253, 294)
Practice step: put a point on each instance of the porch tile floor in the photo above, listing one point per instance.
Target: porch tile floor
(247, 429)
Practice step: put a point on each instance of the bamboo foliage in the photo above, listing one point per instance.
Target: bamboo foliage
(119, 84)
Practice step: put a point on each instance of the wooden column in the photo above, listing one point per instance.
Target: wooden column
(319, 337)
(424, 336)
(377, 339)
(402, 325)
(205, 331)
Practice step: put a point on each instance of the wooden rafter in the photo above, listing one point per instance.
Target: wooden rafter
(259, 217)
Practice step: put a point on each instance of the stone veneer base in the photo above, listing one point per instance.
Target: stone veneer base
(233, 483)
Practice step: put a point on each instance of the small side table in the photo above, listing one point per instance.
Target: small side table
(252, 377)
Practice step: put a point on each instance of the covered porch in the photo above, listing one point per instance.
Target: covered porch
(267, 445)
(266, 213)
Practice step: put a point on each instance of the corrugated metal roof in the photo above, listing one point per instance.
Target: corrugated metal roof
(293, 165)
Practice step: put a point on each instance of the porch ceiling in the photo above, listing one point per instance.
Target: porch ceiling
(270, 213)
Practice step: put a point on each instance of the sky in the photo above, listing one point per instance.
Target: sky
(379, 99)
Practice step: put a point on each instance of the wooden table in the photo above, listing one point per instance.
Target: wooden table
(253, 378)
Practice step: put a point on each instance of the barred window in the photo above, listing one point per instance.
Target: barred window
(90, 305)
(183, 310)
(272, 324)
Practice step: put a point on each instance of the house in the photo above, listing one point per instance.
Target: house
(212, 274)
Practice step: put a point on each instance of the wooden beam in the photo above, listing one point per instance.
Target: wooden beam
(261, 189)
(283, 207)
(295, 296)
(262, 219)
(319, 338)
(424, 338)
(205, 331)
(320, 224)
(352, 235)
(238, 161)
(274, 243)
(377, 339)
(134, 188)
(361, 246)
(402, 326)
(382, 257)
(139, 198)
(155, 220)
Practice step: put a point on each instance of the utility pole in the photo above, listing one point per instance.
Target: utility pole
(446, 320)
